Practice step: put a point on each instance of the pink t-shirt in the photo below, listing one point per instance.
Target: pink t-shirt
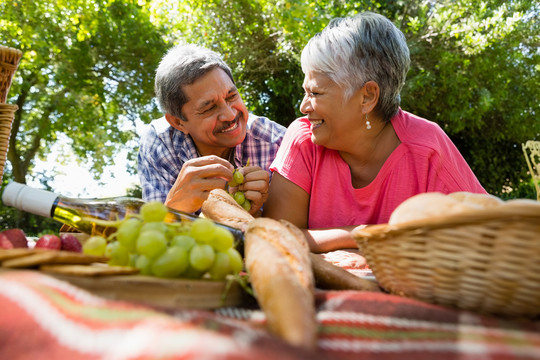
(425, 161)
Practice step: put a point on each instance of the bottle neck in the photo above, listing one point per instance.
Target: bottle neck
(25, 198)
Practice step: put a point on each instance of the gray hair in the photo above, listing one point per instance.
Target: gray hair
(183, 65)
(355, 50)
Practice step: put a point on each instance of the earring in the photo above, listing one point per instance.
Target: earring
(368, 124)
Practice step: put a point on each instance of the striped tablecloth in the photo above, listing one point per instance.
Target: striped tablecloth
(44, 318)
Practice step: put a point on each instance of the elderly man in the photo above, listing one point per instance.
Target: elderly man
(205, 134)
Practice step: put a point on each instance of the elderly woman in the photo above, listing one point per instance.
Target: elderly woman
(357, 155)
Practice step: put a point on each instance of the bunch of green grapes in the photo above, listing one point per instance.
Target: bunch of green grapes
(199, 249)
(238, 195)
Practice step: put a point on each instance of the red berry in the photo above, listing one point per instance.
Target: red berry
(17, 237)
(4, 242)
(70, 243)
(49, 242)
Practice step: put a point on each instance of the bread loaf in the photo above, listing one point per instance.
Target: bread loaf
(483, 200)
(279, 267)
(433, 204)
(221, 207)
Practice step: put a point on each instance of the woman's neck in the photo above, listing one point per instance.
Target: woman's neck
(367, 157)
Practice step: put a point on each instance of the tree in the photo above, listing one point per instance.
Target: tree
(86, 74)
(476, 72)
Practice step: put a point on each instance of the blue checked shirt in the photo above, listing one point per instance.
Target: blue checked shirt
(163, 150)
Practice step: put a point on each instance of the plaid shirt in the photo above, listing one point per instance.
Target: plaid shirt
(163, 150)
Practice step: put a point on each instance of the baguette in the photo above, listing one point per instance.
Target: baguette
(221, 207)
(330, 276)
(278, 263)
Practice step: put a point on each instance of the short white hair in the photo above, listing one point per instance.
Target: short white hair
(358, 49)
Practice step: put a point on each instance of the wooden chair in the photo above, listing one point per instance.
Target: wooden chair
(531, 150)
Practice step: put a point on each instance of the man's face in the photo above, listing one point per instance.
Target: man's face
(215, 113)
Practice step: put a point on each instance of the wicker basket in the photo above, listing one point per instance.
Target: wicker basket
(486, 260)
(6, 119)
(9, 62)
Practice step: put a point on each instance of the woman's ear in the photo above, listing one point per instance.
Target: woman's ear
(367, 97)
(370, 95)
(176, 123)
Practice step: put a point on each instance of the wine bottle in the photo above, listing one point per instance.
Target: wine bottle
(90, 216)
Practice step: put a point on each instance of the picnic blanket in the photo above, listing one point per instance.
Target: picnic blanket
(45, 318)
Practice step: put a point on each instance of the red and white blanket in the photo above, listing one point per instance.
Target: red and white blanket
(44, 318)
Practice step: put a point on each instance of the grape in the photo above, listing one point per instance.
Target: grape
(117, 254)
(201, 256)
(239, 197)
(233, 183)
(202, 230)
(132, 259)
(153, 211)
(144, 265)
(223, 239)
(235, 259)
(171, 263)
(238, 177)
(192, 273)
(95, 245)
(220, 267)
(151, 243)
(185, 242)
(246, 205)
(154, 225)
(128, 232)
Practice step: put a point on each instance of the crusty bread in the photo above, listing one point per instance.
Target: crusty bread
(483, 200)
(278, 263)
(432, 204)
(425, 205)
(330, 276)
(221, 207)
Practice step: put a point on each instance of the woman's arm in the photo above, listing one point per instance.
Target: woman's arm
(290, 202)
(325, 240)
(287, 201)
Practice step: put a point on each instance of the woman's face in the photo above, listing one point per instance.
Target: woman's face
(334, 122)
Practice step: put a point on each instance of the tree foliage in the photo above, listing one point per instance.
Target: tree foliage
(86, 72)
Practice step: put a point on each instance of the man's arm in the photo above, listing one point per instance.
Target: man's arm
(196, 179)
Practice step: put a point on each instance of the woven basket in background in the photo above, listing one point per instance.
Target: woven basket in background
(485, 260)
(9, 62)
(7, 112)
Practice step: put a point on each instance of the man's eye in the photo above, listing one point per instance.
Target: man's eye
(207, 110)
(232, 97)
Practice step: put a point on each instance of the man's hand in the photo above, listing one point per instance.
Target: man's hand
(255, 186)
(196, 179)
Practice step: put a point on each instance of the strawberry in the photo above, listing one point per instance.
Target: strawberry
(17, 237)
(49, 242)
(4, 242)
(70, 243)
